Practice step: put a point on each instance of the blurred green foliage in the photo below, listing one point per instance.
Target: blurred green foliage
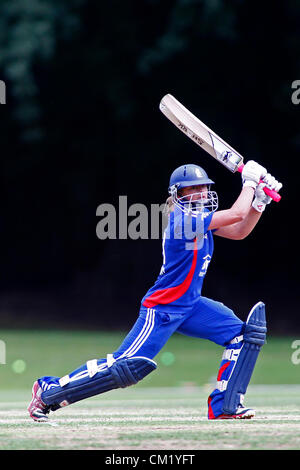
(81, 126)
(28, 39)
(120, 41)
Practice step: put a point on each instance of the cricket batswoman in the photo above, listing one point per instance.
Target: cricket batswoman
(175, 304)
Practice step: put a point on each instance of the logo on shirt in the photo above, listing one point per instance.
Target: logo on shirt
(204, 267)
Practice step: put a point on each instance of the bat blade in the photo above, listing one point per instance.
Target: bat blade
(204, 137)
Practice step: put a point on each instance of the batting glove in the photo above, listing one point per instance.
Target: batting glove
(252, 173)
(261, 198)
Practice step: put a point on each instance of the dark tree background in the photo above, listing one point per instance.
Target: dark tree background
(81, 126)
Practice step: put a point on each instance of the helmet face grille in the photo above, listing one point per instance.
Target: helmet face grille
(195, 203)
(191, 175)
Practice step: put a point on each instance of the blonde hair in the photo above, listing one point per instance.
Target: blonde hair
(169, 206)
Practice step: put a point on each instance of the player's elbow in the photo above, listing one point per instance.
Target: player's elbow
(241, 235)
(238, 216)
(236, 235)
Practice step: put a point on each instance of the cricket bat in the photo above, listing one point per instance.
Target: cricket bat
(203, 136)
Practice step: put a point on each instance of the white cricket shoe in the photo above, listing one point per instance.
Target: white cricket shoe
(37, 409)
(241, 413)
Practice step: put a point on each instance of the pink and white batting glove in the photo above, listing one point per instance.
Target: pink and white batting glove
(252, 173)
(261, 199)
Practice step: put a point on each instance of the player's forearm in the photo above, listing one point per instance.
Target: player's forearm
(249, 216)
(243, 203)
(236, 214)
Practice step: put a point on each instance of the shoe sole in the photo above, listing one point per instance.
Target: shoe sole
(39, 419)
(246, 415)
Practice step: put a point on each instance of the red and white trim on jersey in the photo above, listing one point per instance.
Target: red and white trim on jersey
(170, 294)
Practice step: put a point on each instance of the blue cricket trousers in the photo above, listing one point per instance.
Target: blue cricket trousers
(208, 320)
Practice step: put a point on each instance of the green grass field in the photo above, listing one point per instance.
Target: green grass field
(167, 410)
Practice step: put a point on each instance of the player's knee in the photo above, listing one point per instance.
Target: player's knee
(255, 327)
(255, 334)
(130, 370)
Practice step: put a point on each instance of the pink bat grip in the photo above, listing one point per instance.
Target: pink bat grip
(270, 192)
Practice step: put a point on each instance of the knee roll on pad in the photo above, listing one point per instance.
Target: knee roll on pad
(128, 372)
(122, 373)
(254, 337)
(255, 327)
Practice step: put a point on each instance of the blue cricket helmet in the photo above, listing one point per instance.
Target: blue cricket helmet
(199, 201)
(189, 175)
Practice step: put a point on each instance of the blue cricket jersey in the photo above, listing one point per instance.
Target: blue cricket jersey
(187, 251)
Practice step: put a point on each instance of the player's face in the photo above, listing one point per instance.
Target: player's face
(195, 199)
(198, 192)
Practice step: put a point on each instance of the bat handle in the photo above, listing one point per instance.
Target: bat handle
(270, 192)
